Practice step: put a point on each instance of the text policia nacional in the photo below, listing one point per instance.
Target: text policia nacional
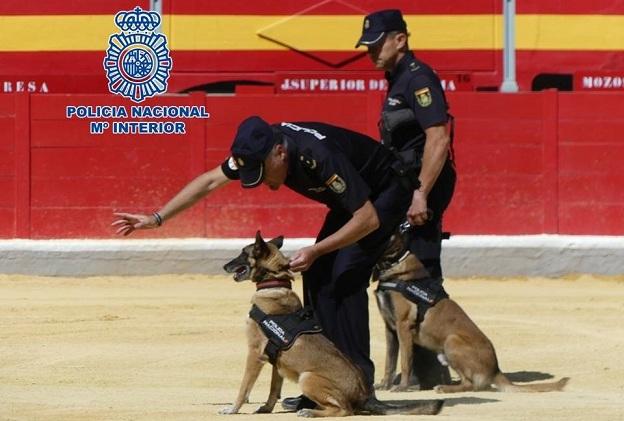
(114, 118)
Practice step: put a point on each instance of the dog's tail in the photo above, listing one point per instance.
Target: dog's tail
(425, 407)
(503, 384)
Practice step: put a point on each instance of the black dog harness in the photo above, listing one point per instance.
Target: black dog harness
(282, 330)
(425, 293)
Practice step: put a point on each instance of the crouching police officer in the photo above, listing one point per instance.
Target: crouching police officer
(350, 173)
(416, 124)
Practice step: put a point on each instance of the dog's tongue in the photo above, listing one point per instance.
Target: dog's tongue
(240, 272)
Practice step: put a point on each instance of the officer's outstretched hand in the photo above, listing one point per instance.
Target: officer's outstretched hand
(303, 259)
(417, 213)
(129, 222)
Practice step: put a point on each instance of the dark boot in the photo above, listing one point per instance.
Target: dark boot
(428, 369)
(298, 402)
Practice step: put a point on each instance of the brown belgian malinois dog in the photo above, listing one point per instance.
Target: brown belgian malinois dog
(323, 373)
(445, 329)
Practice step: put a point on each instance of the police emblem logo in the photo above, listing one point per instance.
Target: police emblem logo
(240, 162)
(366, 24)
(423, 97)
(336, 183)
(137, 61)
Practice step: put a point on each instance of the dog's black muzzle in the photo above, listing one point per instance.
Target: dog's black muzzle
(239, 267)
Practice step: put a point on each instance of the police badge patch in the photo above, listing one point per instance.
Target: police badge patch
(336, 183)
(423, 97)
(137, 61)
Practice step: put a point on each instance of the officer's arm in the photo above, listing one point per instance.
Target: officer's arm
(430, 109)
(193, 192)
(436, 149)
(363, 222)
(200, 187)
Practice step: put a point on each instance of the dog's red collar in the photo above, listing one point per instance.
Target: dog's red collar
(274, 283)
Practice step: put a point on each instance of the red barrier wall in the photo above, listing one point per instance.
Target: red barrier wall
(7, 165)
(591, 156)
(528, 163)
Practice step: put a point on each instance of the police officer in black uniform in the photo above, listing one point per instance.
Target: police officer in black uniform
(416, 124)
(355, 176)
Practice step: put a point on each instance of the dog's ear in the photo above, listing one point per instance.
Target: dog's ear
(260, 247)
(278, 241)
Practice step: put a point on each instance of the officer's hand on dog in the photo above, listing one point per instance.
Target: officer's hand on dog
(418, 214)
(303, 259)
(128, 222)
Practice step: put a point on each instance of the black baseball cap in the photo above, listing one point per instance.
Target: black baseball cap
(378, 24)
(252, 144)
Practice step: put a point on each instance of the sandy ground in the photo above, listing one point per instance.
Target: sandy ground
(172, 348)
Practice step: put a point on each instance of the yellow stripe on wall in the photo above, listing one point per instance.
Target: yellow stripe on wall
(316, 33)
(324, 33)
(570, 32)
(220, 32)
(55, 33)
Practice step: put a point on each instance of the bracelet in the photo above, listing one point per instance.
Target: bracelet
(159, 220)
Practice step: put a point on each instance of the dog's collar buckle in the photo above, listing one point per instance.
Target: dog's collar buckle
(274, 283)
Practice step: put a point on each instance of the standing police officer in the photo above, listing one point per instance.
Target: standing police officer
(350, 173)
(414, 122)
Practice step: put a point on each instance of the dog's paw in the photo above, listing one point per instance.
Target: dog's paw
(439, 388)
(399, 388)
(228, 410)
(264, 409)
(306, 413)
(383, 385)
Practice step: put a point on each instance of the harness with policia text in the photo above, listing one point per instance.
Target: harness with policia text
(425, 293)
(282, 330)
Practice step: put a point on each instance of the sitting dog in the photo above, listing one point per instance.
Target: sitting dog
(425, 316)
(306, 357)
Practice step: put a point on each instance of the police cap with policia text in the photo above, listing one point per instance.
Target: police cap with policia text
(252, 144)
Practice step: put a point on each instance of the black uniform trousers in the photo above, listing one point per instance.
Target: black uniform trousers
(335, 285)
(425, 242)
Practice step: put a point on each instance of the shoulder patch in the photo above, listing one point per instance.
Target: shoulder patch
(423, 97)
(336, 183)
